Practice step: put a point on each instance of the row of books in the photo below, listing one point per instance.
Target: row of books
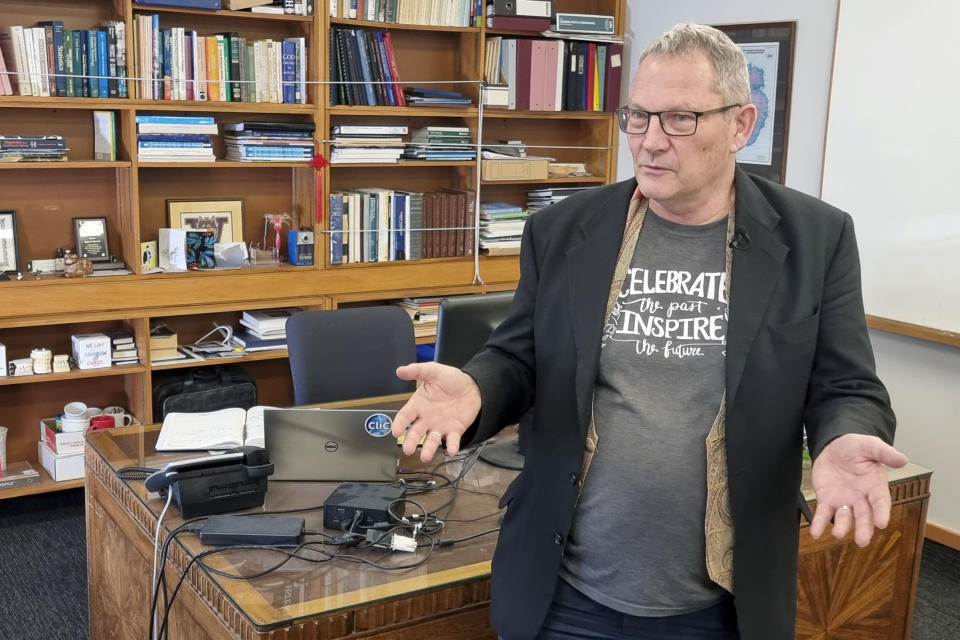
(49, 60)
(363, 69)
(501, 226)
(379, 225)
(33, 149)
(179, 64)
(447, 13)
(555, 75)
(175, 138)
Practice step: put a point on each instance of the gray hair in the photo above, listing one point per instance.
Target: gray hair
(731, 80)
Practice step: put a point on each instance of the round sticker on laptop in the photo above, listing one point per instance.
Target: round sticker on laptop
(378, 425)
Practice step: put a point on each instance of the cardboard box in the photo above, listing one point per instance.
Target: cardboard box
(515, 169)
(61, 443)
(60, 468)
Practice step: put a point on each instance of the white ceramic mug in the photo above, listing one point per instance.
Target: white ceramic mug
(74, 409)
(120, 416)
(71, 424)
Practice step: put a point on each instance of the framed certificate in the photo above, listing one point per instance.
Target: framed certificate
(9, 249)
(225, 217)
(91, 234)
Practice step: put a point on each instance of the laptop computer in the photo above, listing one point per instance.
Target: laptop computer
(331, 445)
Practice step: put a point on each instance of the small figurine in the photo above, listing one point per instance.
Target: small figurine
(276, 220)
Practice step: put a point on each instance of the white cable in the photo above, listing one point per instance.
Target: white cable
(156, 551)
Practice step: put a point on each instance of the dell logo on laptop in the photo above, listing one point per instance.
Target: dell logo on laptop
(377, 425)
(330, 446)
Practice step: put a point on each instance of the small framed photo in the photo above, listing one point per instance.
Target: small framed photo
(9, 249)
(91, 235)
(225, 217)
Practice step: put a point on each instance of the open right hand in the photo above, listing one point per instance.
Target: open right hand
(444, 405)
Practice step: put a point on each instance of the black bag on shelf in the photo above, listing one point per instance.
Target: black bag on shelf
(202, 389)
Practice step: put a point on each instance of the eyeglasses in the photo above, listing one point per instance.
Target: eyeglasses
(673, 123)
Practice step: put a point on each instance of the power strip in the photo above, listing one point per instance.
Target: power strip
(251, 529)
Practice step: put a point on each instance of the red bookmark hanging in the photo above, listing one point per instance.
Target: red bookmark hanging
(318, 162)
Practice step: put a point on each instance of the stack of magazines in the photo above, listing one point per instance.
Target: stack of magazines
(269, 141)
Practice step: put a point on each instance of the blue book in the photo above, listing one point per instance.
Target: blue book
(173, 137)
(167, 60)
(82, 64)
(399, 225)
(433, 93)
(288, 69)
(365, 68)
(372, 227)
(59, 62)
(102, 63)
(92, 64)
(214, 5)
(336, 228)
(171, 144)
(175, 120)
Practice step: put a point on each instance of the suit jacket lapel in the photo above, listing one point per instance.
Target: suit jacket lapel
(591, 259)
(755, 271)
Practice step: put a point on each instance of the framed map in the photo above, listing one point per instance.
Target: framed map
(769, 51)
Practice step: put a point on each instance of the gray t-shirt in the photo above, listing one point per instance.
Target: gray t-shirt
(637, 542)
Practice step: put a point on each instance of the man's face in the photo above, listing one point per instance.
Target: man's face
(678, 173)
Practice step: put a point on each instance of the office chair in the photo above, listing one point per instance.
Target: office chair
(342, 354)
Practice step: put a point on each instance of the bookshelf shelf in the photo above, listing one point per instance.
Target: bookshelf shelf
(69, 164)
(495, 112)
(240, 15)
(406, 164)
(561, 180)
(346, 22)
(45, 485)
(457, 111)
(220, 164)
(75, 374)
(274, 354)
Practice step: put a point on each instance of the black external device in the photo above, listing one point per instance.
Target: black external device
(371, 500)
(251, 529)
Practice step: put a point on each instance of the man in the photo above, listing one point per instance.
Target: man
(659, 497)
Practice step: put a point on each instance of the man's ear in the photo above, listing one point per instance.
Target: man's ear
(744, 122)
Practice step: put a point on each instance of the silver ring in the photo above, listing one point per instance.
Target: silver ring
(436, 433)
(843, 507)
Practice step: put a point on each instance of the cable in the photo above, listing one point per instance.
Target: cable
(156, 547)
(134, 473)
(449, 543)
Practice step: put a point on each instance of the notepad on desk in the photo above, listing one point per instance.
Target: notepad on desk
(221, 429)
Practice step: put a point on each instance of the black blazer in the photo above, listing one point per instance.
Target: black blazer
(798, 353)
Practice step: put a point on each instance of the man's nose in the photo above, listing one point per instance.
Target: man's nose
(655, 139)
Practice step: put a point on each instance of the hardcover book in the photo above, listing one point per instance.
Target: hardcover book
(17, 474)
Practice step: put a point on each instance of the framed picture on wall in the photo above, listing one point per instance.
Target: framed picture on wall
(9, 249)
(225, 217)
(769, 50)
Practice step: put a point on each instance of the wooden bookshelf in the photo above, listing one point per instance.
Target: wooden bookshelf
(44, 310)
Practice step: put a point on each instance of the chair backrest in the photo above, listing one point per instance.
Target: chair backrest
(342, 354)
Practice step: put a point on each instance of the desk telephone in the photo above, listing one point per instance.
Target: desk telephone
(213, 484)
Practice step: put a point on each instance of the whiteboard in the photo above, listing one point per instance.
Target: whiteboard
(892, 153)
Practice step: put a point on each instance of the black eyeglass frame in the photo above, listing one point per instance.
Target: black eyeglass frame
(624, 112)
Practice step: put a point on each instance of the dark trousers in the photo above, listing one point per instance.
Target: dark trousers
(574, 616)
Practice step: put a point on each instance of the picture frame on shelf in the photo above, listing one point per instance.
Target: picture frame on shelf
(769, 48)
(224, 216)
(91, 238)
(9, 246)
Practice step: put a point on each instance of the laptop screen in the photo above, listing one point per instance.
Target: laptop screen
(331, 445)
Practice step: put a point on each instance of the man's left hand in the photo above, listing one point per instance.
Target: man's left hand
(850, 481)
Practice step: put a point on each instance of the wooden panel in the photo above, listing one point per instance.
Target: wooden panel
(75, 15)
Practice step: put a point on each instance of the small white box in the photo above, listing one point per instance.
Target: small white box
(60, 468)
(91, 350)
(3, 360)
(62, 443)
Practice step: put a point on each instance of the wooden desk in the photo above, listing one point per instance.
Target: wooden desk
(841, 588)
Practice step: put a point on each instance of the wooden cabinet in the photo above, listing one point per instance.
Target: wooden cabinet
(44, 310)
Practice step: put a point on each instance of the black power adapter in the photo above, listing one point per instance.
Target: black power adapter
(251, 529)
